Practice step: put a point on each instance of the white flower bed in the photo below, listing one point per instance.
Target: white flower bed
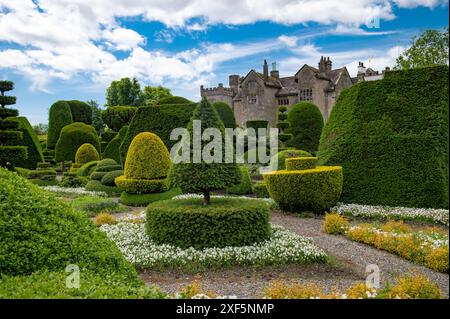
(78, 191)
(437, 216)
(187, 196)
(283, 247)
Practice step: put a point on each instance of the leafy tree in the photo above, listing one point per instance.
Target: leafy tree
(6, 86)
(204, 177)
(97, 121)
(40, 129)
(151, 94)
(125, 91)
(429, 49)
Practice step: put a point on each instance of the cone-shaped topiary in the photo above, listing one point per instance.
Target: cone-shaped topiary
(72, 137)
(226, 114)
(306, 123)
(86, 153)
(204, 177)
(146, 167)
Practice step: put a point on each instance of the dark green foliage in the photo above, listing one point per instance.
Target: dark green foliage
(41, 232)
(81, 111)
(245, 185)
(278, 161)
(87, 169)
(256, 124)
(41, 182)
(391, 137)
(73, 181)
(4, 113)
(125, 91)
(97, 121)
(59, 116)
(205, 177)
(6, 86)
(108, 168)
(7, 124)
(12, 154)
(109, 177)
(52, 285)
(37, 174)
(173, 100)
(260, 190)
(97, 186)
(283, 126)
(31, 141)
(108, 135)
(93, 205)
(226, 114)
(152, 94)
(117, 117)
(72, 137)
(226, 222)
(10, 137)
(97, 176)
(145, 199)
(113, 148)
(43, 165)
(306, 123)
(160, 120)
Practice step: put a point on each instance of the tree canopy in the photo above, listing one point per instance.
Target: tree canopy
(125, 91)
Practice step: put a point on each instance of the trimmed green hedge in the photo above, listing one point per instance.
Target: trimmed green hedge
(225, 222)
(391, 137)
(280, 158)
(160, 120)
(81, 111)
(31, 141)
(59, 116)
(145, 199)
(141, 186)
(72, 137)
(5, 112)
(260, 190)
(97, 186)
(112, 150)
(12, 154)
(8, 124)
(117, 117)
(173, 100)
(226, 114)
(87, 169)
(313, 190)
(299, 163)
(42, 232)
(245, 186)
(10, 137)
(109, 177)
(73, 181)
(305, 124)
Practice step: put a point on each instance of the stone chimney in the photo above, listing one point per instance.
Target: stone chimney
(274, 73)
(233, 82)
(266, 71)
(328, 64)
(322, 64)
(361, 71)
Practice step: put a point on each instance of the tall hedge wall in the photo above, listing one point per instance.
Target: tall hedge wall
(161, 120)
(31, 141)
(173, 100)
(226, 114)
(59, 116)
(391, 137)
(112, 150)
(81, 112)
(118, 116)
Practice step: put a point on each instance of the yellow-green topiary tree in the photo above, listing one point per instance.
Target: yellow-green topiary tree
(86, 153)
(146, 166)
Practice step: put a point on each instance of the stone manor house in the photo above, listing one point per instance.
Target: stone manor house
(257, 96)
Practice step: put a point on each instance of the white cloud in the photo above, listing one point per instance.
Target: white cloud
(123, 39)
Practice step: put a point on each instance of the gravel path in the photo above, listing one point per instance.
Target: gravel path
(359, 255)
(349, 261)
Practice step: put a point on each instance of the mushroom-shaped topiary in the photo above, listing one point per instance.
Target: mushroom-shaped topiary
(86, 153)
(146, 166)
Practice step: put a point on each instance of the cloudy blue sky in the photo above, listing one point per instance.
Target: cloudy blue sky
(72, 49)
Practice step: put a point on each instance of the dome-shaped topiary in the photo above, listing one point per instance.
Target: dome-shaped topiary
(306, 123)
(86, 153)
(173, 100)
(147, 158)
(72, 137)
(59, 116)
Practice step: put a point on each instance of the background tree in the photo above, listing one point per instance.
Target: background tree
(125, 91)
(430, 48)
(151, 94)
(205, 177)
(97, 121)
(40, 129)
(6, 86)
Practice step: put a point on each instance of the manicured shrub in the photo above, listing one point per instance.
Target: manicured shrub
(306, 123)
(108, 135)
(141, 186)
(87, 169)
(245, 185)
(86, 153)
(260, 190)
(37, 174)
(5, 113)
(109, 177)
(59, 116)
(72, 137)
(173, 100)
(73, 181)
(145, 199)
(112, 150)
(6, 86)
(391, 137)
(81, 111)
(299, 163)
(313, 190)
(117, 117)
(335, 224)
(108, 168)
(205, 177)
(160, 120)
(226, 114)
(278, 161)
(43, 165)
(92, 205)
(226, 222)
(97, 176)
(8, 124)
(97, 186)
(31, 141)
(52, 235)
(10, 137)
(12, 154)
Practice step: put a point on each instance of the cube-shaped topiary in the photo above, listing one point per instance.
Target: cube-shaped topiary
(146, 167)
(86, 153)
(305, 187)
(72, 137)
(278, 161)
